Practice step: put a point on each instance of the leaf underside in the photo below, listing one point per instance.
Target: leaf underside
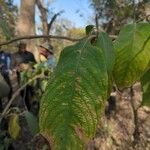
(74, 97)
(132, 54)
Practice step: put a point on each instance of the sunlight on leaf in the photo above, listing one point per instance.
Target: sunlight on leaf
(14, 127)
(133, 54)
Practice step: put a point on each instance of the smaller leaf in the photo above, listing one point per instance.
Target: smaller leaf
(14, 127)
(145, 82)
(105, 43)
(32, 122)
(89, 29)
(44, 84)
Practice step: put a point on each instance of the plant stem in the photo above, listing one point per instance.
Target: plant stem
(16, 94)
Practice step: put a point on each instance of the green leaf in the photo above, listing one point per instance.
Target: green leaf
(133, 54)
(89, 29)
(43, 85)
(75, 96)
(145, 82)
(104, 42)
(32, 122)
(14, 127)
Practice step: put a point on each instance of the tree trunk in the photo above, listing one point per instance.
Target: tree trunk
(26, 24)
(46, 26)
(43, 16)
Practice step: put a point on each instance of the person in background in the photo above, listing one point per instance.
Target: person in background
(5, 60)
(47, 55)
(22, 56)
(4, 90)
(21, 61)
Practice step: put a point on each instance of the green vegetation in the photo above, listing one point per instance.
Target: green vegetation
(77, 92)
(70, 101)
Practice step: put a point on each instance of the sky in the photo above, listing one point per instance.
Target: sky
(78, 12)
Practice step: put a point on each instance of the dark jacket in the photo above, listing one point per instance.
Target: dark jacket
(5, 61)
(22, 57)
(4, 88)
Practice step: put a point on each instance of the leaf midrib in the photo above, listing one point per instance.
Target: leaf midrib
(76, 70)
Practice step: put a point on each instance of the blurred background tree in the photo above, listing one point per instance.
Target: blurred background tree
(111, 15)
(8, 15)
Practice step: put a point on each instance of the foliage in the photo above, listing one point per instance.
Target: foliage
(14, 127)
(15, 113)
(7, 18)
(133, 56)
(89, 29)
(76, 32)
(32, 122)
(5, 141)
(69, 31)
(105, 43)
(113, 14)
(40, 84)
(76, 93)
(75, 96)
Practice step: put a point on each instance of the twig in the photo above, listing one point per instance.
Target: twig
(49, 25)
(136, 130)
(47, 36)
(24, 95)
(134, 11)
(145, 17)
(96, 22)
(113, 36)
(43, 16)
(16, 94)
(39, 36)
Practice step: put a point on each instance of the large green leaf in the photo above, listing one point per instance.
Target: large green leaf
(104, 42)
(133, 54)
(145, 82)
(71, 106)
